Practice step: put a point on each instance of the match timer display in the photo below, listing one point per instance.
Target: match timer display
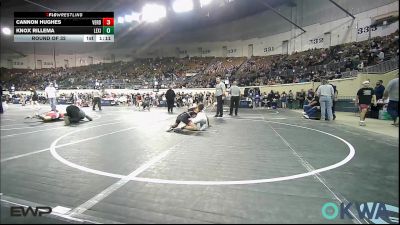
(63, 26)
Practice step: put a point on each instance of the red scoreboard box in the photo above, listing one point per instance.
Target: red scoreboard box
(108, 21)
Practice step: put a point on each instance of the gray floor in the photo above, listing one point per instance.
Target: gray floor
(179, 178)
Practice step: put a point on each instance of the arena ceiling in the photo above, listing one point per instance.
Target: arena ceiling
(218, 12)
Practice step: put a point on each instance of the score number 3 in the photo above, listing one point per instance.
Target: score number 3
(108, 21)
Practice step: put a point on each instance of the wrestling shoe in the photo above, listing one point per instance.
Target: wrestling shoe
(66, 120)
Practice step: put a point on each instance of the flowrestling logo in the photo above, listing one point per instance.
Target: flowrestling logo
(375, 212)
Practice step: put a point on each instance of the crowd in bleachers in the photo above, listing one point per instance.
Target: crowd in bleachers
(200, 72)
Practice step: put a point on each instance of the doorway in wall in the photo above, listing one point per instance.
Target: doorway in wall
(39, 64)
(250, 51)
(224, 51)
(285, 47)
(327, 40)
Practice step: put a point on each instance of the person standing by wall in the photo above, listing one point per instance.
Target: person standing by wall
(235, 98)
(335, 98)
(301, 97)
(219, 94)
(1, 99)
(326, 93)
(96, 99)
(392, 92)
(170, 97)
(365, 96)
(379, 90)
(290, 99)
(283, 99)
(51, 94)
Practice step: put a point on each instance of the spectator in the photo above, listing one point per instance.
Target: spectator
(325, 94)
(379, 90)
(275, 100)
(335, 99)
(270, 98)
(365, 96)
(284, 99)
(381, 56)
(392, 92)
(310, 96)
(301, 97)
(311, 110)
(1, 99)
(290, 99)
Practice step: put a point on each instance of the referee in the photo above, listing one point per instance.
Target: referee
(235, 97)
(219, 94)
(170, 96)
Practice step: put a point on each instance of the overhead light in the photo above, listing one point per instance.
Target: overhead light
(128, 18)
(136, 16)
(6, 30)
(153, 12)
(180, 6)
(204, 2)
(121, 19)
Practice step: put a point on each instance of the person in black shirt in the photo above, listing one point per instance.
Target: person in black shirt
(270, 98)
(185, 116)
(365, 96)
(311, 110)
(170, 96)
(1, 99)
(310, 95)
(301, 97)
(379, 90)
(335, 98)
(74, 115)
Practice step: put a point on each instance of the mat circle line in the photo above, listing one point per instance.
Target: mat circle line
(234, 182)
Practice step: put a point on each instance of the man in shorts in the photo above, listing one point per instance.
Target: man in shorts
(365, 96)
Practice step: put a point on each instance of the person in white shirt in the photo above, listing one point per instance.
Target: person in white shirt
(235, 98)
(51, 94)
(200, 122)
(326, 94)
(96, 99)
(219, 94)
(381, 56)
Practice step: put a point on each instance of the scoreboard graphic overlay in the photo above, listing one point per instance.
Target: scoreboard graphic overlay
(63, 26)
